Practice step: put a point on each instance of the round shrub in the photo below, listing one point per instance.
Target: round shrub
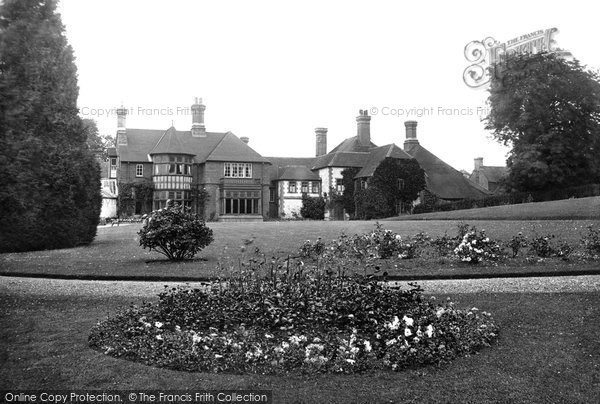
(175, 232)
(308, 324)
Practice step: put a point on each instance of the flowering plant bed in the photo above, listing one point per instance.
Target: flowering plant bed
(297, 322)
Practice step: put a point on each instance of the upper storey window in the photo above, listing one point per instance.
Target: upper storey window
(238, 170)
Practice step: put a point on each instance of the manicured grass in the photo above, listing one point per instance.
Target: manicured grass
(116, 251)
(583, 208)
(547, 351)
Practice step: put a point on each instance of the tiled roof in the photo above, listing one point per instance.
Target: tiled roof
(292, 168)
(341, 159)
(298, 173)
(494, 173)
(171, 142)
(377, 155)
(352, 145)
(231, 148)
(214, 146)
(111, 151)
(443, 180)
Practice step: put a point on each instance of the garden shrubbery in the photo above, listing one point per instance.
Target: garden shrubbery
(175, 232)
(304, 313)
(304, 322)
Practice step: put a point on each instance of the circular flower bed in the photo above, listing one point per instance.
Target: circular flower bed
(300, 323)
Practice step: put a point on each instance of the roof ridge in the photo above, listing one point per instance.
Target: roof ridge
(217, 145)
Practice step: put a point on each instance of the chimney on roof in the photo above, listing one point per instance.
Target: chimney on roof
(198, 128)
(321, 141)
(411, 136)
(363, 126)
(245, 139)
(478, 163)
(121, 126)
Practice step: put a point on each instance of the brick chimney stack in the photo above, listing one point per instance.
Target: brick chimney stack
(121, 126)
(321, 144)
(198, 128)
(411, 136)
(363, 126)
(478, 163)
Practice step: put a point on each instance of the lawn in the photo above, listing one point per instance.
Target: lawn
(583, 208)
(548, 351)
(116, 252)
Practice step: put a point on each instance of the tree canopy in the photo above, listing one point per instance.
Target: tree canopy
(49, 182)
(548, 109)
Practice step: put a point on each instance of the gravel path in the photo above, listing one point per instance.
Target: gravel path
(59, 287)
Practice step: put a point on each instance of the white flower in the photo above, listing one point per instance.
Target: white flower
(367, 346)
(429, 331)
(218, 356)
(394, 324)
(268, 336)
(390, 342)
(285, 345)
(407, 332)
(159, 337)
(350, 361)
(409, 321)
(158, 324)
(196, 339)
(419, 332)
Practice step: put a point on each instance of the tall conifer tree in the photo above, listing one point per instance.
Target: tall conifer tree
(49, 180)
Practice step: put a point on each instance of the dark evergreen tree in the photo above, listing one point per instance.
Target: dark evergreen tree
(49, 180)
(347, 197)
(548, 109)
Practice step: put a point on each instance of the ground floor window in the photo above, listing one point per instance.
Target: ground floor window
(241, 206)
(241, 203)
(179, 197)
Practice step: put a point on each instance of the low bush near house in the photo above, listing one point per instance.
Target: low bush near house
(516, 243)
(591, 242)
(293, 322)
(548, 246)
(175, 232)
(475, 247)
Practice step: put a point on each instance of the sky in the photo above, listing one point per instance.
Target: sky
(273, 71)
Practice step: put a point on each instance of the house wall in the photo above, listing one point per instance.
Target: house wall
(127, 172)
(289, 202)
(328, 176)
(212, 176)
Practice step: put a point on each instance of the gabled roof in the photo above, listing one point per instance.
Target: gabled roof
(341, 159)
(494, 173)
(352, 145)
(292, 168)
(215, 146)
(442, 179)
(170, 143)
(231, 148)
(377, 155)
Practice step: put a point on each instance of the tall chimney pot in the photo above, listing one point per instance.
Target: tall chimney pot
(121, 126)
(198, 128)
(321, 144)
(363, 128)
(411, 136)
(478, 163)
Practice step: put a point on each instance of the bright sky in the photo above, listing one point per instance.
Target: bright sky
(275, 70)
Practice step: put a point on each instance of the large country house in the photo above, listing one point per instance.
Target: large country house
(219, 175)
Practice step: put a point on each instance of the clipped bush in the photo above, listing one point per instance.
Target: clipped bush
(175, 232)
